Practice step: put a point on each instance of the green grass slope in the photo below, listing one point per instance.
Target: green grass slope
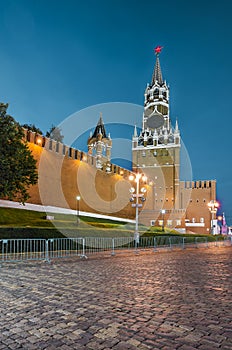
(22, 223)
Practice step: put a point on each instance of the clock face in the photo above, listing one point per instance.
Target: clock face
(155, 121)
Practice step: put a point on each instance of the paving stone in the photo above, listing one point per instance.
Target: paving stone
(171, 300)
(122, 345)
(186, 347)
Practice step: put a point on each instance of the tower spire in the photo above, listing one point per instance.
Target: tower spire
(176, 126)
(135, 131)
(100, 128)
(157, 74)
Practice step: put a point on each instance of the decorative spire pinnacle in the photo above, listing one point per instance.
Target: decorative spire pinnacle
(176, 126)
(157, 74)
(145, 136)
(135, 132)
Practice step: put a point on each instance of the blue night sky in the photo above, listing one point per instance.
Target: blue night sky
(58, 57)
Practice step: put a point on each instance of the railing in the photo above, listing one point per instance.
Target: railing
(13, 250)
(22, 249)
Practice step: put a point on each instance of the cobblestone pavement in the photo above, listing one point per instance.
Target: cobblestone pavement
(169, 300)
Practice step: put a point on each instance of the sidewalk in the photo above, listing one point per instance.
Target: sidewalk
(169, 300)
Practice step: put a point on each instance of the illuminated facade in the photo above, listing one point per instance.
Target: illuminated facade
(156, 152)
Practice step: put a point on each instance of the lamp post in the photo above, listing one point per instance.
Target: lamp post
(213, 207)
(78, 198)
(136, 195)
(163, 213)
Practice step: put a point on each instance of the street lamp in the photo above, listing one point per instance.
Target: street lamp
(213, 207)
(39, 141)
(135, 194)
(163, 211)
(78, 198)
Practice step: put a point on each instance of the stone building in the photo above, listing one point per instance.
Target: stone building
(156, 153)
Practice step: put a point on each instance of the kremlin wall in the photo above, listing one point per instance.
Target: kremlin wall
(65, 172)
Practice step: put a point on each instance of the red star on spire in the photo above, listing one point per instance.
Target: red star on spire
(158, 49)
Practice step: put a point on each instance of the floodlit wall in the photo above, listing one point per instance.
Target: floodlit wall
(65, 172)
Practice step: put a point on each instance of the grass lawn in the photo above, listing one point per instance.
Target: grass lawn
(22, 223)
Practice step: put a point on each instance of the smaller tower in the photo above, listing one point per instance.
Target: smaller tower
(99, 145)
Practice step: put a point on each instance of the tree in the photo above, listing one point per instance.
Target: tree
(55, 134)
(32, 127)
(17, 166)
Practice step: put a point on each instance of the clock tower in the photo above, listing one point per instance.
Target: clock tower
(156, 149)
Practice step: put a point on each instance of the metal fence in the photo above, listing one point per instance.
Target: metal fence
(23, 249)
(12, 250)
